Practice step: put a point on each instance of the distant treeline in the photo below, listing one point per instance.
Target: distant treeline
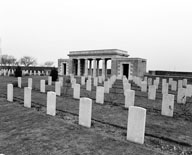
(33, 68)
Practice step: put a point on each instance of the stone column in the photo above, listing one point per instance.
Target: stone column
(90, 65)
(79, 67)
(103, 67)
(94, 67)
(86, 67)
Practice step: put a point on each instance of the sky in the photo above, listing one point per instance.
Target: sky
(157, 30)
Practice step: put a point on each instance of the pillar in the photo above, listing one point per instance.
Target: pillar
(94, 67)
(86, 67)
(79, 67)
(103, 67)
(98, 67)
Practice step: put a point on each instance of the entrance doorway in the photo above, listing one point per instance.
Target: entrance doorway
(126, 70)
(64, 69)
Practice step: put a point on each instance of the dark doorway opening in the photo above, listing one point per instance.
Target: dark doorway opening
(64, 69)
(126, 70)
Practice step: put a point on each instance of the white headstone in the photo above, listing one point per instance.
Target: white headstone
(167, 105)
(30, 83)
(58, 88)
(49, 80)
(61, 81)
(156, 83)
(149, 81)
(85, 112)
(180, 83)
(181, 95)
(184, 82)
(174, 85)
(100, 79)
(88, 85)
(19, 82)
(76, 91)
(144, 86)
(83, 80)
(165, 88)
(164, 81)
(100, 94)
(136, 124)
(152, 92)
(106, 87)
(27, 97)
(10, 92)
(129, 98)
(188, 90)
(42, 86)
(170, 80)
(95, 81)
(51, 103)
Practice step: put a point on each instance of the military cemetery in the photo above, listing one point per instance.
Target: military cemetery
(95, 77)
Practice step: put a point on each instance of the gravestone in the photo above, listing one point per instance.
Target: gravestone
(106, 87)
(58, 88)
(152, 92)
(61, 81)
(136, 124)
(85, 112)
(129, 98)
(30, 83)
(164, 81)
(100, 94)
(51, 103)
(156, 83)
(42, 86)
(49, 80)
(76, 91)
(165, 88)
(167, 105)
(188, 90)
(27, 97)
(100, 79)
(19, 82)
(82, 80)
(144, 86)
(181, 96)
(184, 82)
(88, 85)
(149, 81)
(10, 92)
(174, 85)
(170, 80)
(180, 83)
(95, 81)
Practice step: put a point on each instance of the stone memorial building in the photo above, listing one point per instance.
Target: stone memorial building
(105, 62)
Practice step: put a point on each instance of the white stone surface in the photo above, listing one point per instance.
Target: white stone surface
(167, 105)
(49, 80)
(85, 112)
(10, 92)
(106, 87)
(95, 81)
(100, 94)
(149, 81)
(152, 92)
(156, 83)
(136, 124)
(144, 86)
(170, 80)
(181, 96)
(30, 83)
(88, 85)
(19, 82)
(100, 79)
(188, 90)
(27, 97)
(165, 88)
(83, 80)
(129, 98)
(184, 82)
(42, 86)
(180, 83)
(58, 88)
(51, 103)
(174, 85)
(164, 81)
(76, 91)
(61, 81)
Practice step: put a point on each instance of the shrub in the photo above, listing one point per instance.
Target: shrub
(54, 74)
(18, 72)
(27, 74)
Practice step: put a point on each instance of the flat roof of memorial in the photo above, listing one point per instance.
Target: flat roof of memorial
(98, 52)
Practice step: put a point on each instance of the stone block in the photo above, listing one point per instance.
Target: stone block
(165, 88)
(51, 103)
(181, 95)
(10, 92)
(27, 97)
(174, 85)
(76, 91)
(100, 94)
(83, 80)
(136, 124)
(42, 86)
(152, 92)
(167, 105)
(30, 83)
(88, 85)
(58, 88)
(49, 80)
(61, 81)
(85, 112)
(144, 86)
(106, 87)
(95, 81)
(19, 82)
(129, 98)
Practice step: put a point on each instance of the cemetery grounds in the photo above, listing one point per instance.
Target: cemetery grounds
(31, 131)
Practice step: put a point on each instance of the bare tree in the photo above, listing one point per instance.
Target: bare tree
(8, 60)
(27, 61)
(49, 63)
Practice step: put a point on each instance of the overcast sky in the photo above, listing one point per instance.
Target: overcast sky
(157, 30)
